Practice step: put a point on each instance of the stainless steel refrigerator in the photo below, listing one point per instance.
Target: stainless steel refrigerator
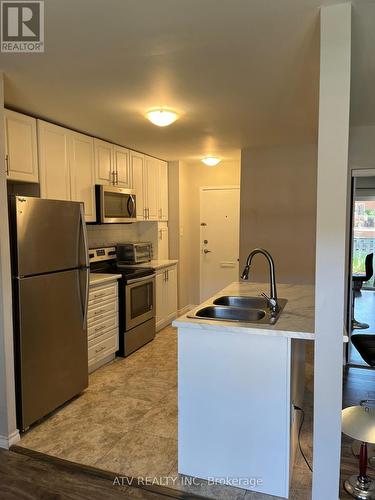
(50, 270)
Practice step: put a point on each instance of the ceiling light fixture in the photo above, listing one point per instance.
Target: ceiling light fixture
(211, 161)
(161, 117)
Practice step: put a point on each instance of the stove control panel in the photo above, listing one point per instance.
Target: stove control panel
(99, 254)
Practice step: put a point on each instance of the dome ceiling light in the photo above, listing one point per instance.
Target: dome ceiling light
(161, 117)
(211, 161)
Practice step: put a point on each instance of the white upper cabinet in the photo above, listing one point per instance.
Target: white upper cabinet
(121, 167)
(112, 164)
(103, 162)
(54, 168)
(163, 241)
(137, 167)
(150, 179)
(82, 173)
(163, 190)
(21, 161)
(151, 183)
(66, 164)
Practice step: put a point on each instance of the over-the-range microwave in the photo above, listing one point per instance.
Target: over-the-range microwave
(115, 205)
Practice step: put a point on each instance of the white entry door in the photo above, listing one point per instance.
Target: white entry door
(219, 245)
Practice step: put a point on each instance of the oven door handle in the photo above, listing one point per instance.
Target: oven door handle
(140, 280)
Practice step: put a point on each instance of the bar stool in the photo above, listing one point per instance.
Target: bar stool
(358, 280)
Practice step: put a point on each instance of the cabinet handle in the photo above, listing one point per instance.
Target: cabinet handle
(116, 177)
(167, 275)
(161, 234)
(101, 349)
(113, 178)
(148, 213)
(98, 295)
(99, 311)
(7, 164)
(160, 213)
(98, 328)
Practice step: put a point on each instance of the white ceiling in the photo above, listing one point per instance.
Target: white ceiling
(240, 72)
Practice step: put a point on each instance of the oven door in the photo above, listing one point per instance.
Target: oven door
(139, 301)
(116, 205)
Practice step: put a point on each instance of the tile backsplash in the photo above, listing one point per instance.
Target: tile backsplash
(109, 234)
(103, 235)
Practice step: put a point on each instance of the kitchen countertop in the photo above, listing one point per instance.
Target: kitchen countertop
(295, 321)
(157, 264)
(97, 278)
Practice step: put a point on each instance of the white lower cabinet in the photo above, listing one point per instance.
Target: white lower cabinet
(102, 324)
(166, 296)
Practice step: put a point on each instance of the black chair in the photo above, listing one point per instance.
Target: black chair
(358, 280)
(365, 345)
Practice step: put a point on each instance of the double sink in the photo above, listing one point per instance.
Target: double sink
(239, 309)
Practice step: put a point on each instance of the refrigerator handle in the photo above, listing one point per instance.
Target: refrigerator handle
(86, 266)
(86, 297)
(84, 236)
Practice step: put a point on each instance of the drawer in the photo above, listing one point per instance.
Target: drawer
(95, 311)
(107, 323)
(103, 348)
(99, 293)
(101, 336)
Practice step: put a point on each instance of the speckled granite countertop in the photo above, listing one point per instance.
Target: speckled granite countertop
(295, 321)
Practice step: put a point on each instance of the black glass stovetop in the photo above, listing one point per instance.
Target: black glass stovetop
(114, 267)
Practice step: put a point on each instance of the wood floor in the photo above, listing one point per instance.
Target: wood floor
(27, 478)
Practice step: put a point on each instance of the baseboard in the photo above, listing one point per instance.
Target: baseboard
(7, 441)
(186, 309)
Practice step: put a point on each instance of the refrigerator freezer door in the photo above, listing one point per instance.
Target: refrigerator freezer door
(48, 235)
(52, 343)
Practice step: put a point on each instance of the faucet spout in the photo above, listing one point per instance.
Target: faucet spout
(245, 275)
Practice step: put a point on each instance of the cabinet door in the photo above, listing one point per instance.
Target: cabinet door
(82, 172)
(54, 171)
(123, 176)
(163, 190)
(171, 299)
(104, 168)
(152, 183)
(160, 294)
(20, 147)
(137, 167)
(163, 241)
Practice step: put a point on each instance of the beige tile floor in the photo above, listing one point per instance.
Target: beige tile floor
(126, 422)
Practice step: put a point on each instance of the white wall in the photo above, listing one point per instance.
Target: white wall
(278, 210)
(331, 260)
(8, 429)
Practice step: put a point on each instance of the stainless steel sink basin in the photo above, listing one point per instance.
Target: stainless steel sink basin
(239, 309)
(230, 313)
(248, 302)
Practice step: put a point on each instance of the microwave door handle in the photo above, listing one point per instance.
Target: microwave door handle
(131, 201)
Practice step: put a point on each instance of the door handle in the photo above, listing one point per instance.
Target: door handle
(206, 251)
(7, 164)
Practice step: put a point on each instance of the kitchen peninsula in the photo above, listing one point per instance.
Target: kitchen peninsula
(238, 384)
